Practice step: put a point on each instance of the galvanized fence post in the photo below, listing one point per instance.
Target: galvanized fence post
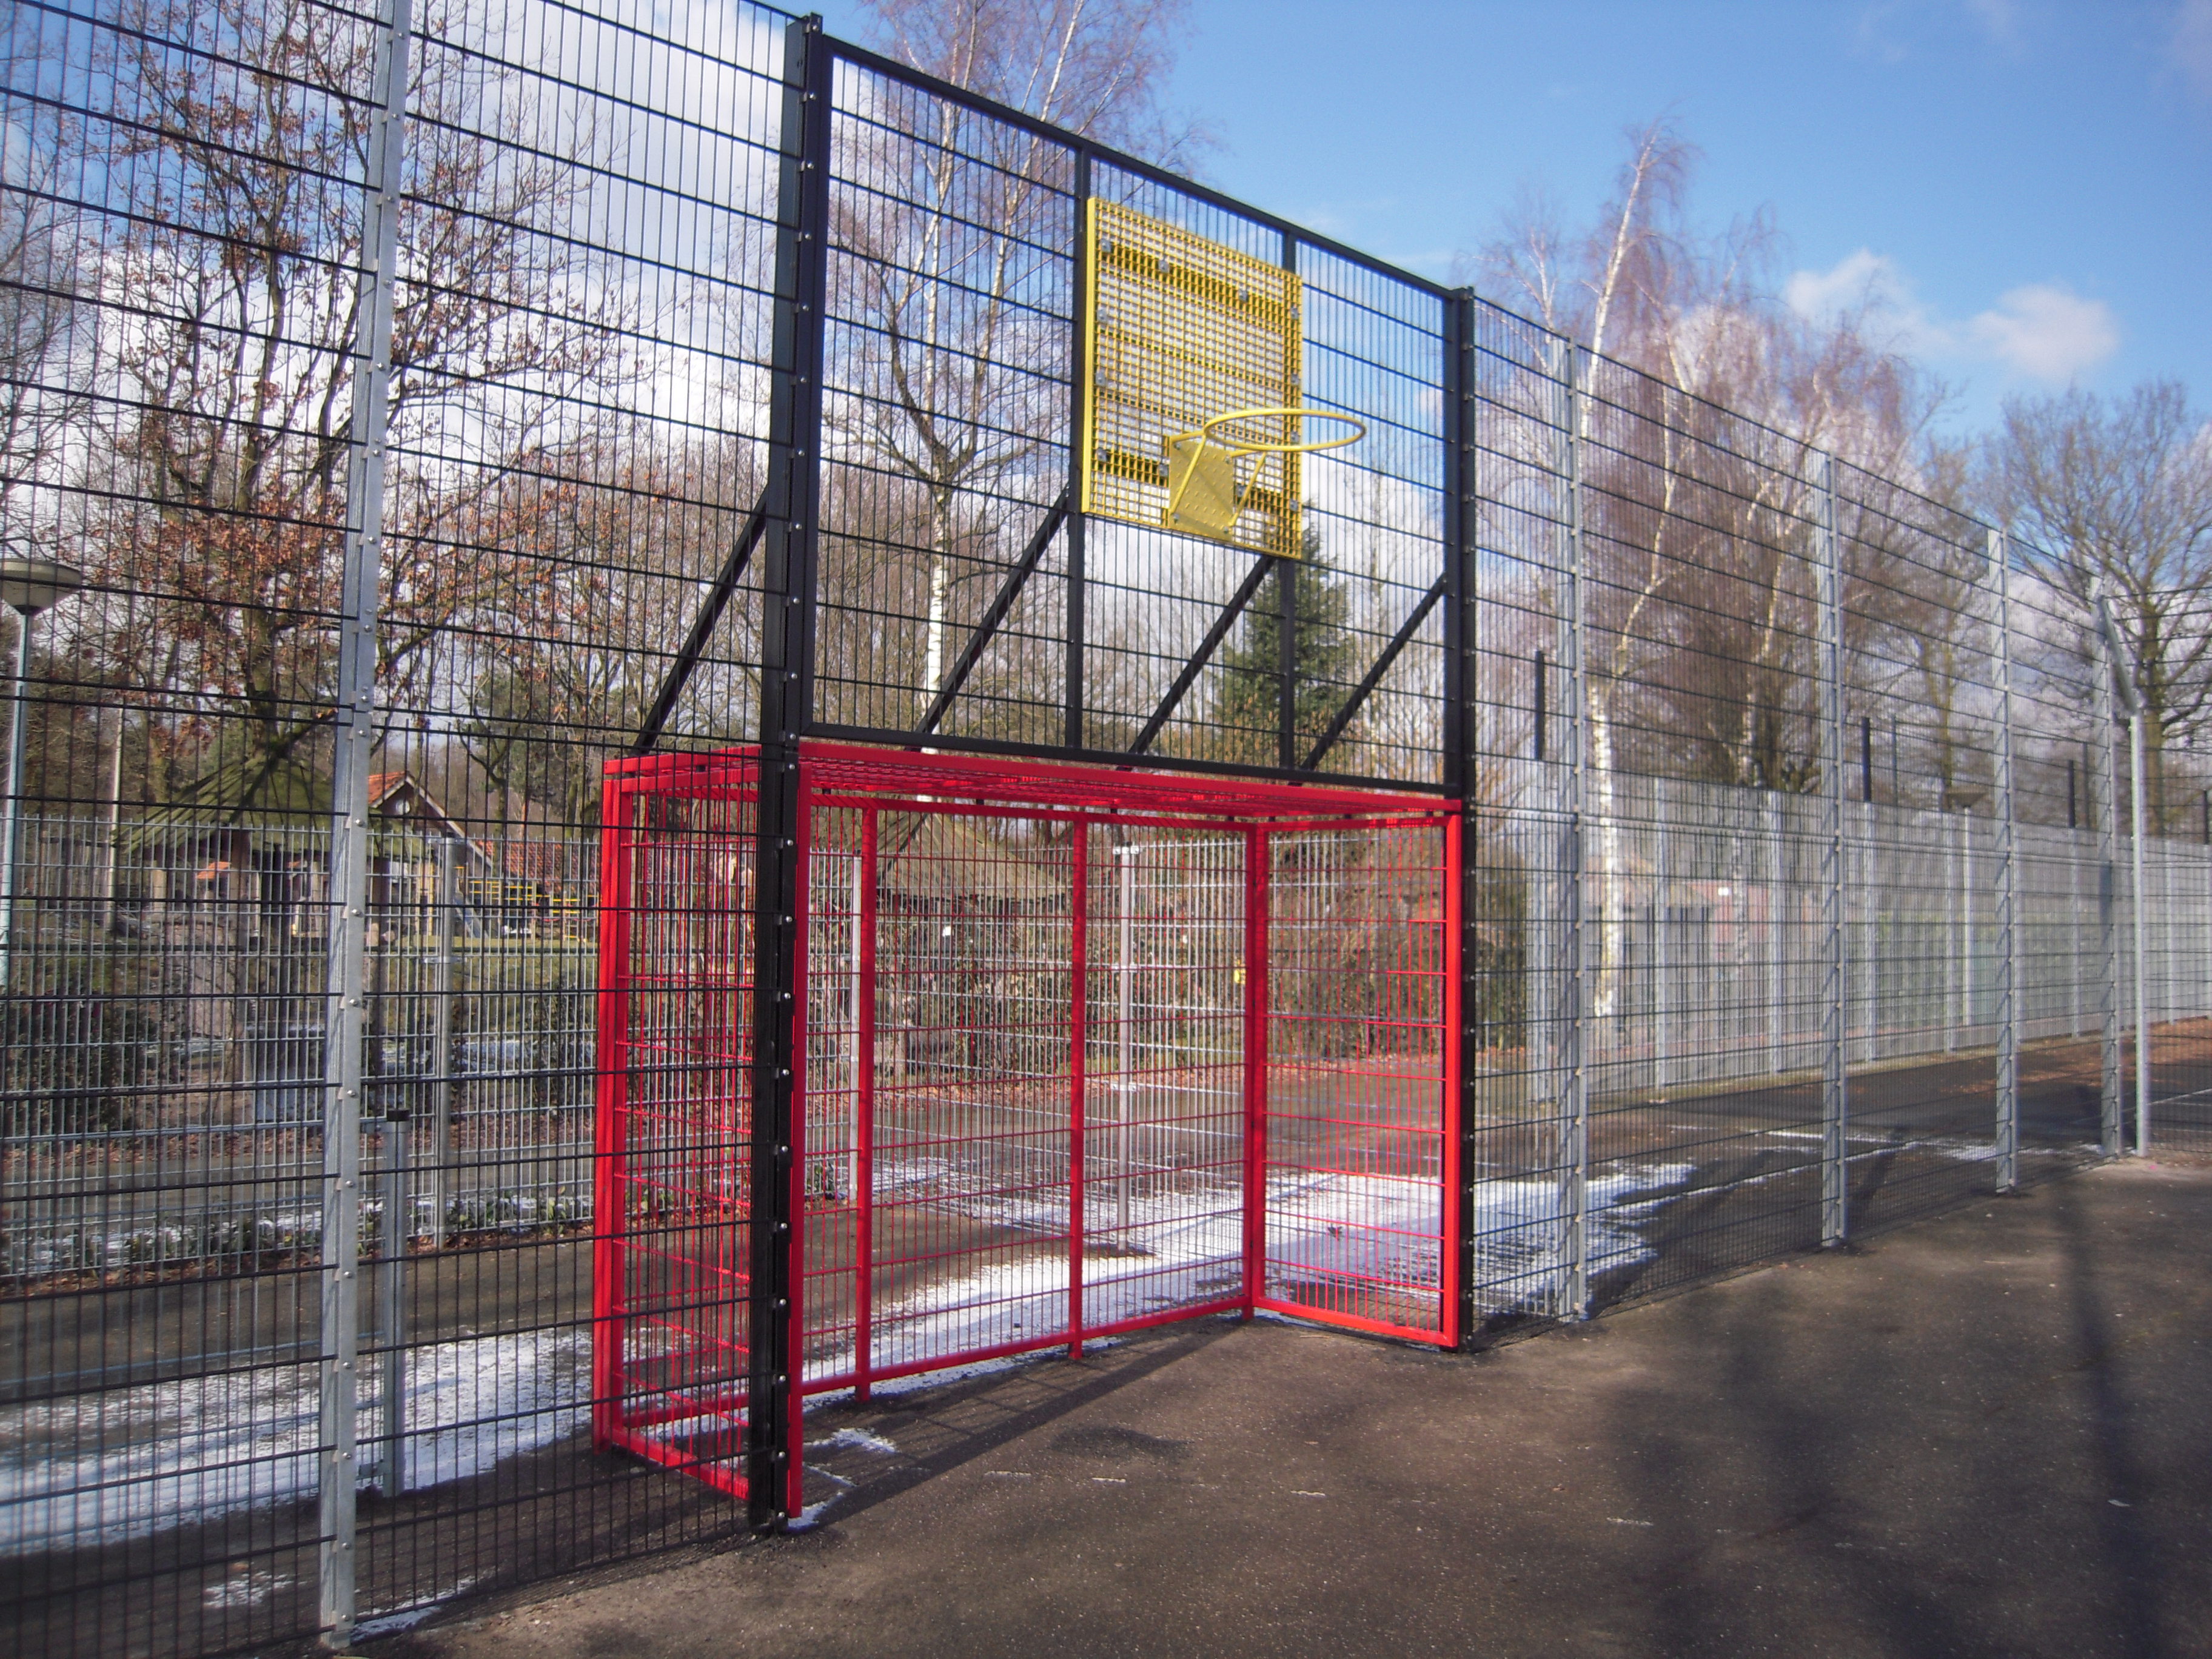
(19, 703)
(1954, 902)
(1662, 963)
(2123, 688)
(1573, 1013)
(1834, 1098)
(1775, 946)
(395, 1216)
(2008, 919)
(345, 1023)
(1461, 742)
(2105, 802)
(2142, 926)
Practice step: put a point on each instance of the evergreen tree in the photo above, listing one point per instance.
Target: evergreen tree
(1247, 694)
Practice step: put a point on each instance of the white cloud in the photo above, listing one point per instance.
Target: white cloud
(2046, 333)
(1849, 281)
(2192, 45)
(1870, 285)
(2040, 332)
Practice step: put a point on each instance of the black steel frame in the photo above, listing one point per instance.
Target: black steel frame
(787, 524)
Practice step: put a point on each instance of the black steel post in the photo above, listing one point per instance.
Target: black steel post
(1461, 734)
(1866, 759)
(788, 601)
(1079, 462)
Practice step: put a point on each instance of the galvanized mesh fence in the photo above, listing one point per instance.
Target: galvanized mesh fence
(410, 410)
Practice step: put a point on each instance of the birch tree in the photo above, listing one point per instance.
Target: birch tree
(2118, 492)
(1703, 402)
(958, 278)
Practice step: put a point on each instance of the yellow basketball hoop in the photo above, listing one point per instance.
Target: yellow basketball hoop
(1204, 497)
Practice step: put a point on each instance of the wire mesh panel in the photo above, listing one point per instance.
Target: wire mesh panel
(671, 1286)
(1722, 1013)
(1033, 1097)
(993, 577)
(585, 205)
(1165, 1215)
(2178, 949)
(581, 440)
(1360, 1136)
(973, 1006)
(184, 209)
(375, 1154)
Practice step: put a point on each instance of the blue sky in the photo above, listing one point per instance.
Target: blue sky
(2027, 183)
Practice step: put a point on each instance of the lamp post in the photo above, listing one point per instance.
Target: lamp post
(26, 586)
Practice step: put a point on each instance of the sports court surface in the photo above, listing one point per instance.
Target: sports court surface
(1985, 1434)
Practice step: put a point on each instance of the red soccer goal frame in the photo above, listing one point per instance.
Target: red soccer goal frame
(1309, 1130)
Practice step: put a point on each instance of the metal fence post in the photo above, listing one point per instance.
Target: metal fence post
(1777, 997)
(1078, 383)
(345, 1023)
(2141, 925)
(2104, 801)
(1125, 1031)
(775, 1153)
(1834, 1097)
(1865, 885)
(19, 704)
(1461, 739)
(1663, 964)
(2008, 919)
(1954, 901)
(1572, 1014)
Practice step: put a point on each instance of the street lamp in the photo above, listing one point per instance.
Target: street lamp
(26, 586)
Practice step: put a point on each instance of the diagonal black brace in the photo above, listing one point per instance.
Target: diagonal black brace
(1360, 693)
(1206, 648)
(702, 627)
(994, 614)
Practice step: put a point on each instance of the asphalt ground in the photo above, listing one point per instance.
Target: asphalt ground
(1985, 1434)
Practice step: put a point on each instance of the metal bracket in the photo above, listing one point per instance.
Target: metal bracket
(702, 627)
(1204, 655)
(1365, 689)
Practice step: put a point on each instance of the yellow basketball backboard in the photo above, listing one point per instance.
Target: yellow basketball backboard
(1180, 331)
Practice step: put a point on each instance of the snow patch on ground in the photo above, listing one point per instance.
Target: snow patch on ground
(98, 1468)
(245, 1590)
(1176, 1249)
(406, 1618)
(1519, 1230)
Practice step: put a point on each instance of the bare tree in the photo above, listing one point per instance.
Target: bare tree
(1097, 67)
(954, 240)
(582, 648)
(41, 280)
(2117, 493)
(1702, 403)
(235, 298)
